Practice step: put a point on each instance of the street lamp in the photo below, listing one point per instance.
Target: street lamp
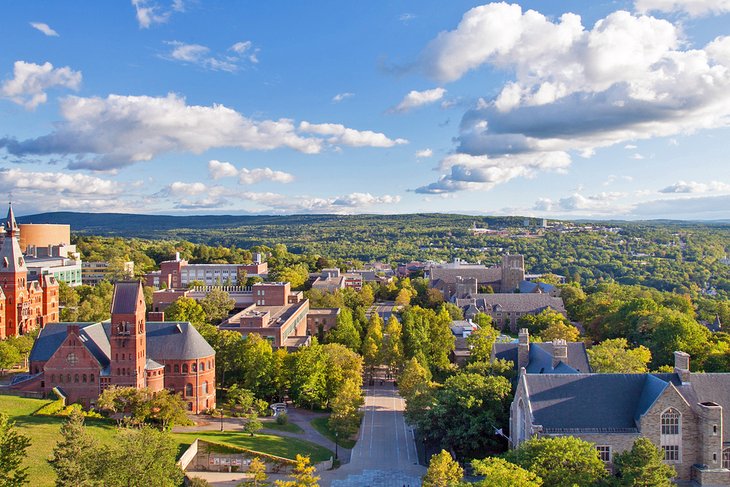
(221, 411)
(336, 435)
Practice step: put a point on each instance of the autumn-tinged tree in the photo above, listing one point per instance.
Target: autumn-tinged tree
(392, 352)
(302, 476)
(443, 471)
(480, 343)
(257, 470)
(561, 330)
(185, 309)
(615, 356)
(498, 472)
(216, 305)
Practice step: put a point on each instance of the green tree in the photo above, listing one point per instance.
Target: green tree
(185, 309)
(540, 322)
(140, 458)
(481, 342)
(255, 363)
(168, 409)
(13, 446)
(302, 476)
(403, 298)
(345, 417)
(563, 461)
(297, 275)
(465, 412)
(498, 472)
(9, 356)
(443, 471)
(71, 455)
(392, 352)
(216, 305)
(483, 319)
(373, 342)
(68, 300)
(615, 356)
(643, 466)
(130, 401)
(345, 332)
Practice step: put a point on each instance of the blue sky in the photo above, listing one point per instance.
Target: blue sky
(572, 109)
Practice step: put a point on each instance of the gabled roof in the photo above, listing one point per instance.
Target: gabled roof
(535, 287)
(124, 300)
(541, 357)
(92, 335)
(517, 302)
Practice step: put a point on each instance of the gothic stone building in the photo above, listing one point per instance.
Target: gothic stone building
(24, 306)
(682, 413)
(82, 359)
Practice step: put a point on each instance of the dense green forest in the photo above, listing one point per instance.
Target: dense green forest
(682, 257)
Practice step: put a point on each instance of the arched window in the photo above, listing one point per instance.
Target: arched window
(194, 367)
(671, 435)
(205, 387)
(726, 458)
(521, 426)
(177, 369)
(68, 378)
(185, 368)
(202, 366)
(91, 379)
(189, 390)
(76, 377)
(83, 378)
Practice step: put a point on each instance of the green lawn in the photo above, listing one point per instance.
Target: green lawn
(320, 424)
(288, 427)
(273, 445)
(44, 434)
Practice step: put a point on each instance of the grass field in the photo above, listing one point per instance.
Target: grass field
(320, 424)
(288, 427)
(44, 433)
(274, 445)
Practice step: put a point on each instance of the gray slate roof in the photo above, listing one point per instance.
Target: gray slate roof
(513, 302)
(166, 340)
(124, 300)
(541, 357)
(481, 273)
(532, 287)
(615, 401)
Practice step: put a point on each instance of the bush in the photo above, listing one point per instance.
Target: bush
(282, 419)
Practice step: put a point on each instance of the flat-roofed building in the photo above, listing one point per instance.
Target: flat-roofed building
(92, 273)
(179, 273)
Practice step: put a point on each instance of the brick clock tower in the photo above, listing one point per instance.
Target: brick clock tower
(13, 280)
(128, 339)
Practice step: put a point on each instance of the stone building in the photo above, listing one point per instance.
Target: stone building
(82, 359)
(27, 305)
(179, 273)
(682, 413)
(506, 309)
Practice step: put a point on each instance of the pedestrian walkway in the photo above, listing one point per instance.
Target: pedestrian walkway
(385, 454)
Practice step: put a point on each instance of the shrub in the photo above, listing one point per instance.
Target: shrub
(282, 419)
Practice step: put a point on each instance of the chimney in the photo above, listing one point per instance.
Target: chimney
(560, 351)
(177, 256)
(156, 316)
(681, 366)
(523, 348)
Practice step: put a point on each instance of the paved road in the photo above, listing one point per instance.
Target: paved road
(385, 454)
(385, 310)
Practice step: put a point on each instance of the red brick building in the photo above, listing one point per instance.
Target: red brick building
(82, 359)
(24, 306)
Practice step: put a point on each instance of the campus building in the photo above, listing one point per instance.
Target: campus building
(682, 413)
(277, 314)
(178, 273)
(92, 273)
(506, 309)
(25, 305)
(82, 359)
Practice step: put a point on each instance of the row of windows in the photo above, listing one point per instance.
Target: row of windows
(189, 388)
(76, 378)
(192, 368)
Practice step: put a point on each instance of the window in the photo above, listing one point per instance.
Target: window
(671, 435)
(185, 368)
(726, 458)
(604, 453)
(205, 387)
(194, 367)
(91, 378)
(202, 366)
(670, 422)
(671, 453)
(189, 390)
(176, 369)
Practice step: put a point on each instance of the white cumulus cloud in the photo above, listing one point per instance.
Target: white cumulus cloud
(340, 135)
(199, 55)
(419, 98)
(30, 81)
(116, 131)
(44, 28)
(695, 187)
(218, 170)
(342, 96)
(693, 8)
(422, 154)
(56, 182)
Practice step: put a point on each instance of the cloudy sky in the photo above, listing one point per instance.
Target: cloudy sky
(570, 109)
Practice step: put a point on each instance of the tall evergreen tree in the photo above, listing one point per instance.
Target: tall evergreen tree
(12, 453)
(72, 455)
